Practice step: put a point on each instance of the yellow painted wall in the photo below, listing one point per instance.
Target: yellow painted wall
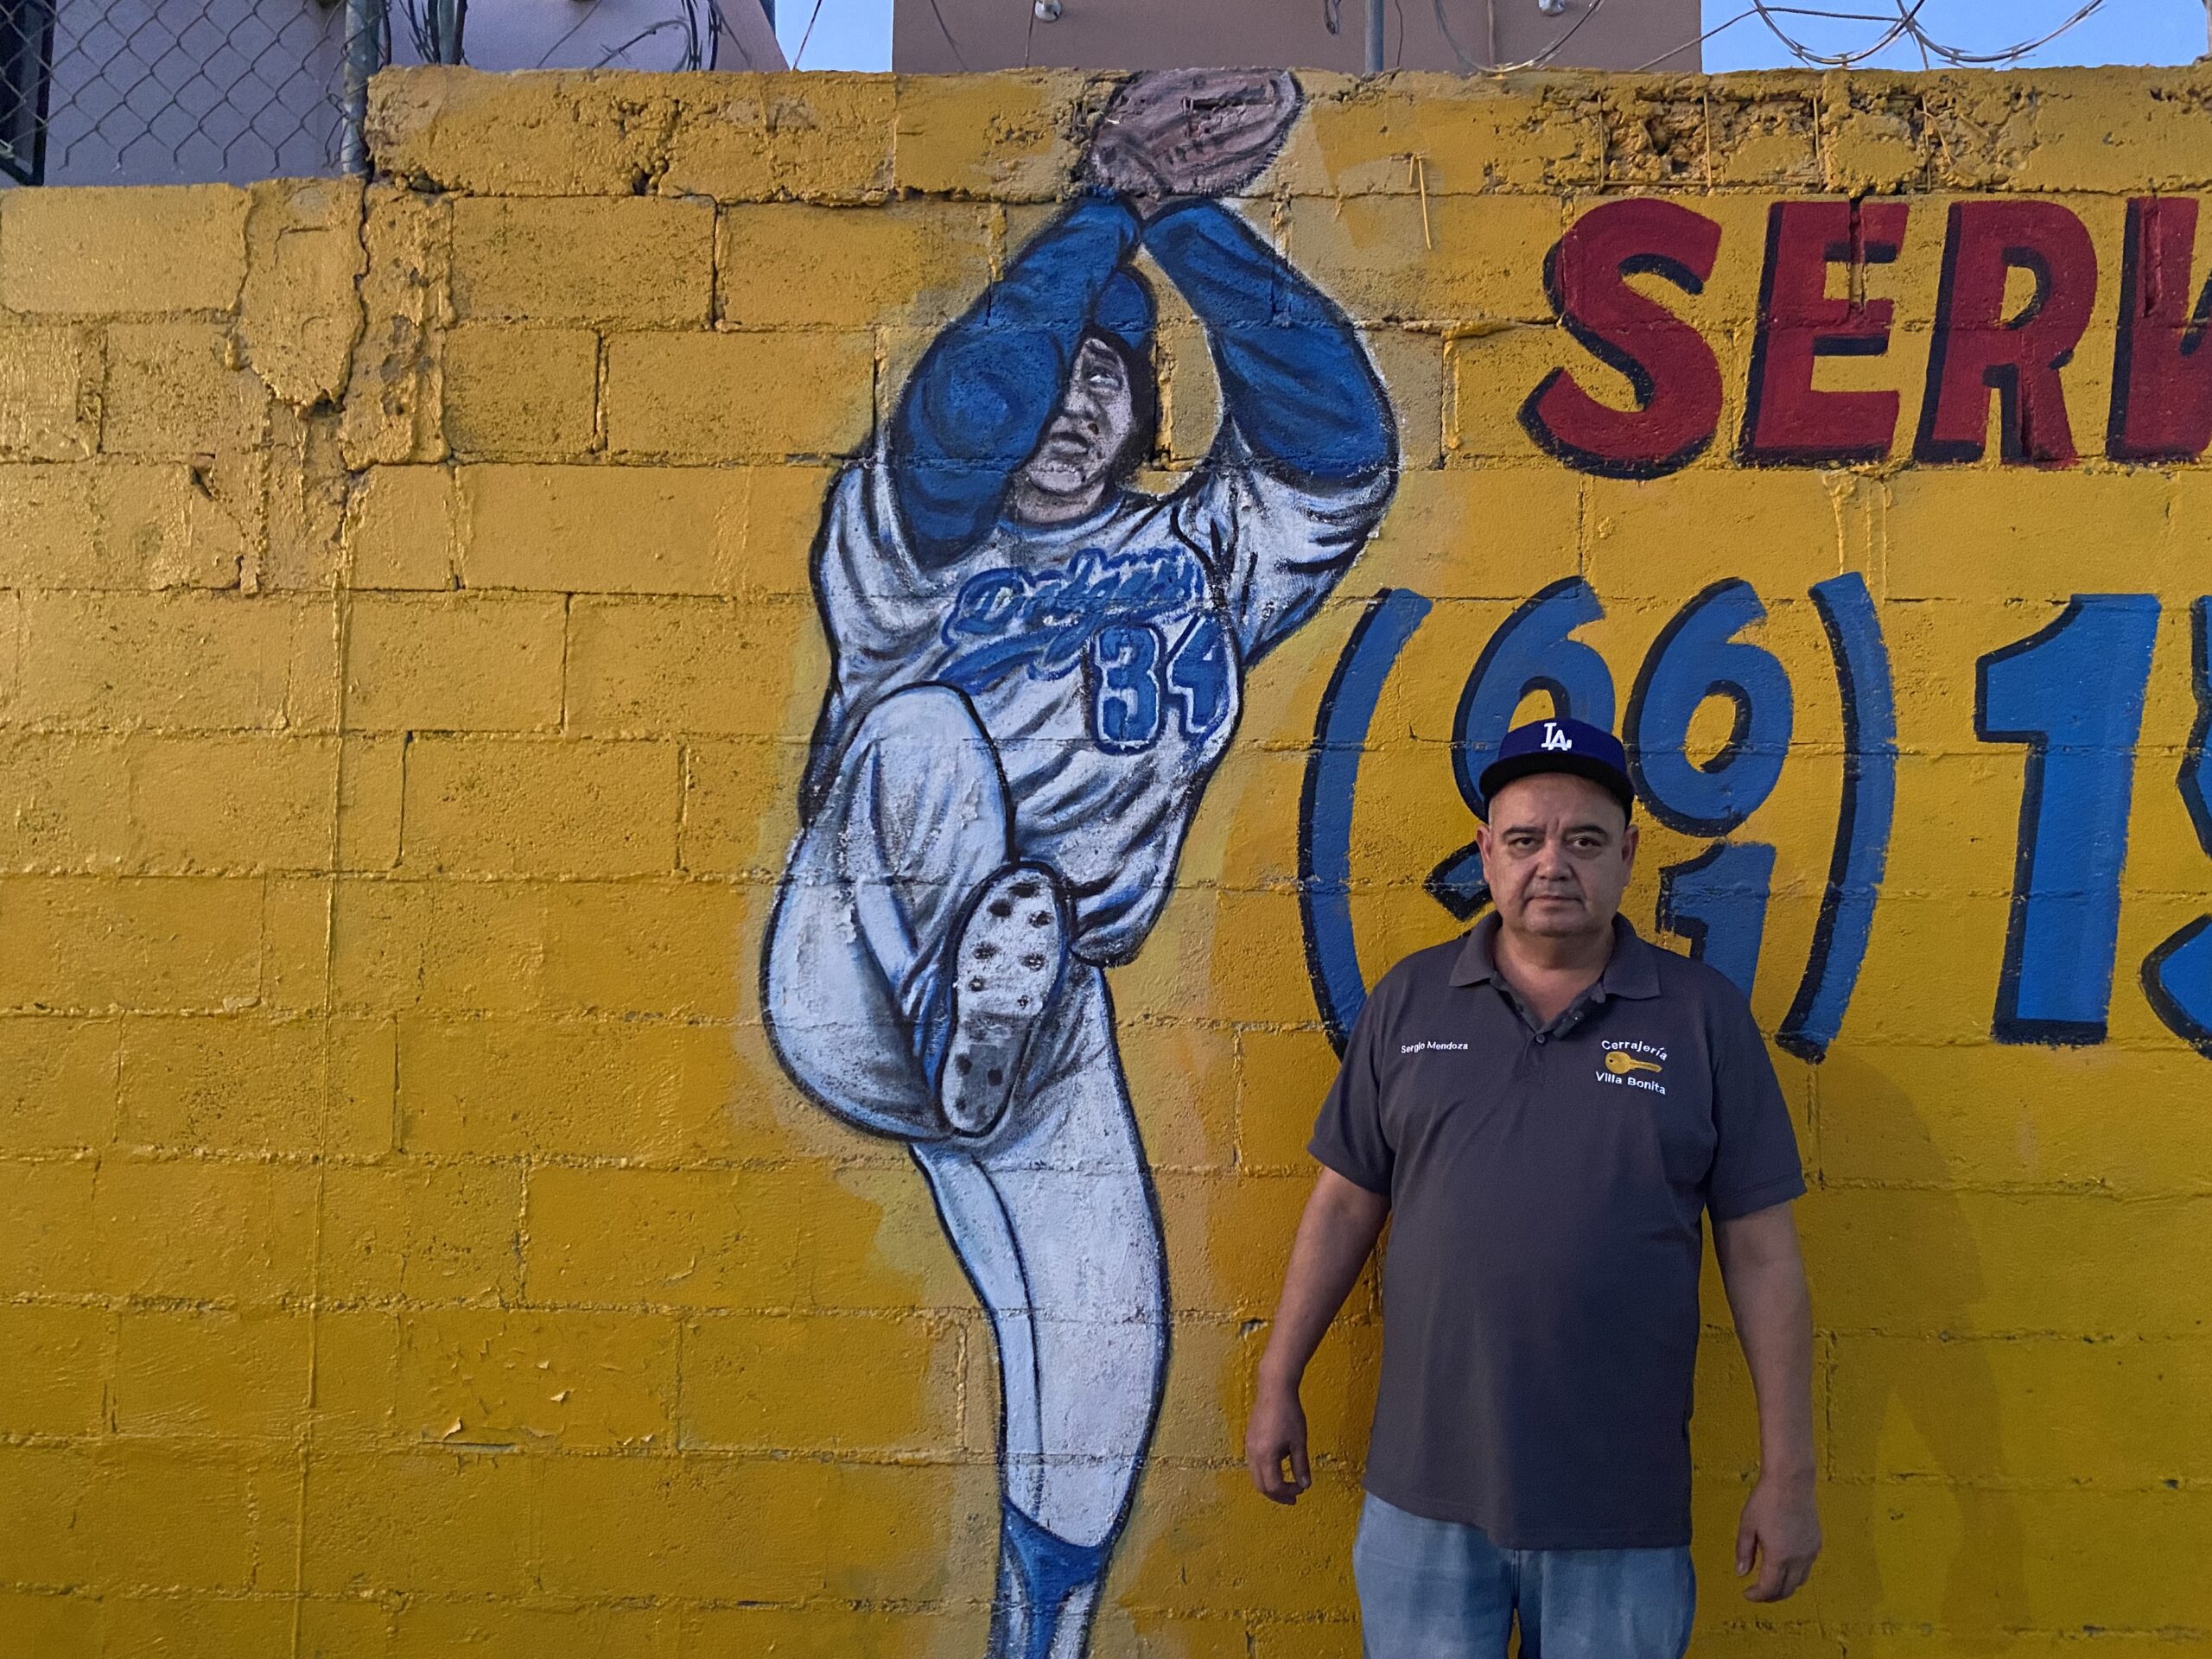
(411, 1245)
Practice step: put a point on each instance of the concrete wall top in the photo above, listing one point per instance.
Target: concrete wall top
(1015, 135)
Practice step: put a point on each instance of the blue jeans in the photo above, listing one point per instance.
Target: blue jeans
(1437, 1590)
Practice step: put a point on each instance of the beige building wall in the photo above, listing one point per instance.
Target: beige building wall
(1453, 36)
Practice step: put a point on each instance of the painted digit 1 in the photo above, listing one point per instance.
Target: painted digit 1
(1532, 650)
(1717, 900)
(2073, 693)
(2178, 975)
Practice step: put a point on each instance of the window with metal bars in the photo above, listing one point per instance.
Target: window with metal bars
(25, 72)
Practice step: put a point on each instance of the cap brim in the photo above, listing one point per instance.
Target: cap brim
(1612, 779)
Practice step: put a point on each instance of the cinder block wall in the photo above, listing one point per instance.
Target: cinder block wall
(407, 662)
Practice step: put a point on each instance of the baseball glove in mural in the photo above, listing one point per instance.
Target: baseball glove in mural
(1037, 669)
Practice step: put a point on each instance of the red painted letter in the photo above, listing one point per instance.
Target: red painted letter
(2161, 375)
(1671, 370)
(1786, 422)
(1978, 349)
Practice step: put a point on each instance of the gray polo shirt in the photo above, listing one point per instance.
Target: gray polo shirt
(1547, 1190)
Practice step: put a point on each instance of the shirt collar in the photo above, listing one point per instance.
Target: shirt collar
(1112, 502)
(1629, 972)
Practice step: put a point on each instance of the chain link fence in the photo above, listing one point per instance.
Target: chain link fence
(177, 91)
(163, 92)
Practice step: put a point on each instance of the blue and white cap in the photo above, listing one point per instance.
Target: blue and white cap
(1572, 746)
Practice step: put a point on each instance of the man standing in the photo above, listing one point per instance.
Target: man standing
(1547, 1107)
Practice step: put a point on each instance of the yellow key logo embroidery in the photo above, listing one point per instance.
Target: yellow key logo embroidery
(1625, 1062)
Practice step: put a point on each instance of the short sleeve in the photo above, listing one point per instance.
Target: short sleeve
(1349, 1135)
(1755, 1164)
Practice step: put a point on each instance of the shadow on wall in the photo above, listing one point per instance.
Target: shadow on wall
(1878, 1520)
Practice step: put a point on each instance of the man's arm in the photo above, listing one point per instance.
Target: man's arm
(974, 408)
(1335, 1238)
(1294, 379)
(1765, 1280)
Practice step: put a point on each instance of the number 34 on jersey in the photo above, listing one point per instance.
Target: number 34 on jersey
(1138, 678)
(1140, 626)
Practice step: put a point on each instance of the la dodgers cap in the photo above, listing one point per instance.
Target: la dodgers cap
(1125, 310)
(1572, 746)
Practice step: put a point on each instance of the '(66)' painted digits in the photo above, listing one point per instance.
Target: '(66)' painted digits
(1718, 899)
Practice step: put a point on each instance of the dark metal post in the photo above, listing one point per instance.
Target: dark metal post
(363, 57)
(449, 21)
(26, 88)
(1374, 36)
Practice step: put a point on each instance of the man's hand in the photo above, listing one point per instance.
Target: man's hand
(1276, 1435)
(1780, 1534)
(1335, 1237)
(1191, 132)
(1764, 1276)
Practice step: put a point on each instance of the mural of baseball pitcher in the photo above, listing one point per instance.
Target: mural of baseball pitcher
(1036, 669)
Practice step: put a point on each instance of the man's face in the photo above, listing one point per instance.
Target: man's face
(1091, 428)
(1557, 851)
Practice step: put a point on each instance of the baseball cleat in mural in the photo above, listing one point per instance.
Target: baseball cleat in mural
(1006, 971)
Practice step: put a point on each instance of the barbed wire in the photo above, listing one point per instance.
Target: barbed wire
(1924, 62)
(1904, 25)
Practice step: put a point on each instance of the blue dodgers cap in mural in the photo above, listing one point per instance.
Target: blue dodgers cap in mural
(1125, 310)
(1572, 746)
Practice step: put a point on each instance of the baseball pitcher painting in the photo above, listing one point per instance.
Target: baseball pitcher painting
(1036, 668)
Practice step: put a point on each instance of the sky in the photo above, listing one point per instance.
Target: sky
(848, 34)
(856, 33)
